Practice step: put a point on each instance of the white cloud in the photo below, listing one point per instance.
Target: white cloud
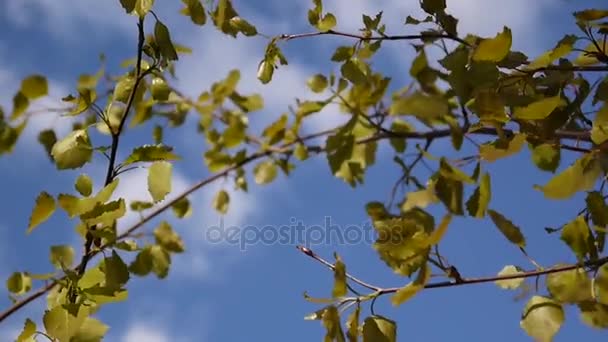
(145, 332)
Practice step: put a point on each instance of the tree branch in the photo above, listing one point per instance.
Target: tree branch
(421, 36)
(468, 281)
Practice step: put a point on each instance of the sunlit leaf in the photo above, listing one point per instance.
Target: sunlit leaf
(62, 256)
(339, 289)
(571, 286)
(159, 180)
(542, 318)
(73, 151)
(510, 284)
(540, 109)
(480, 199)
(576, 234)
(265, 172)
(84, 185)
(379, 329)
(580, 176)
(494, 49)
(34, 87)
(43, 209)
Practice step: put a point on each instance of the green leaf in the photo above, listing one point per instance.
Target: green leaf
(594, 314)
(265, 71)
(243, 26)
(494, 49)
(265, 172)
(317, 83)
(379, 329)
(20, 105)
(510, 284)
(27, 334)
(62, 256)
(599, 131)
(420, 199)
(480, 199)
(450, 193)
(47, 139)
(128, 5)
(571, 286)
(352, 71)
(546, 157)
(580, 176)
(408, 291)
(339, 289)
(19, 283)
(91, 330)
(507, 228)
(182, 208)
(151, 153)
(420, 105)
(123, 90)
(168, 239)
(161, 260)
(301, 152)
(73, 151)
(433, 6)
(142, 265)
(34, 87)
(327, 23)
(501, 148)
(542, 318)
(540, 109)
(43, 209)
(163, 39)
(596, 205)
(591, 14)
(105, 213)
(352, 323)
(84, 185)
(576, 234)
(331, 321)
(221, 201)
(159, 89)
(116, 271)
(159, 180)
(195, 10)
(453, 173)
(63, 325)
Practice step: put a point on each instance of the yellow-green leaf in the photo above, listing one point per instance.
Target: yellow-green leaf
(420, 105)
(571, 286)
(494, 49)
(502, 149)
(159, 180)
(195, 10)
(73, 151)
(163, 39)
(510, 284)
(167, 238)
(546, 157)
(599, 131)
(379, 329)
(408, 291)
(19, 283)
(576, 234)
(34, 86)
(601, 284)
(221, 201)
(339, 289)
(480, 199)
(62, 256)
(580, 176)
(542, 318)
(43, 209)
(317, 83)
(142, 7)
(27, 334)
(84, 185)
(265, 172)
(594, 314)
(540, 109)
(160, 89)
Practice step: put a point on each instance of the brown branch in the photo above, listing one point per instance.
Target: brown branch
(469, 281)
(374, 38)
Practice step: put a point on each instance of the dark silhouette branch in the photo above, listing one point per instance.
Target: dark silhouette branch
(421, 36)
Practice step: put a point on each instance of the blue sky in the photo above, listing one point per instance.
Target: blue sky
(216, 292)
